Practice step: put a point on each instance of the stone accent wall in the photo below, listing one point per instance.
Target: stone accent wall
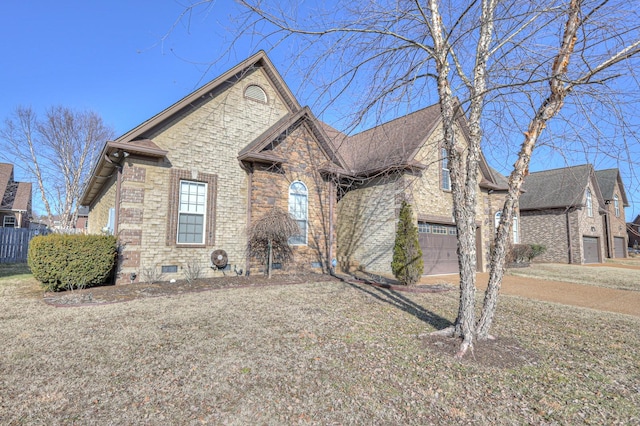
(132, 195)
(134, 174)
(204, 140)
(270, 189)
(366, 230)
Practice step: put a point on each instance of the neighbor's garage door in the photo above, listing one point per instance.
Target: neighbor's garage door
(619, 247)
(590, 247)
(439, 248)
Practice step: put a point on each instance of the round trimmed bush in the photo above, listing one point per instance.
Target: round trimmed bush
(66, 262)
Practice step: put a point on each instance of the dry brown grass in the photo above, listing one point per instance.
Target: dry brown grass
(316, 353)
(600, 276)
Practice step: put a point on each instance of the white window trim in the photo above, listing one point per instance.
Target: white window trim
(263, 97)
(204, 214)
(589, 203)
(306, 209)
(616, 205)
(4, 221)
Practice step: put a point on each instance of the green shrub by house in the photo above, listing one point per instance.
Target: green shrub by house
(407, 264)
(62, 262)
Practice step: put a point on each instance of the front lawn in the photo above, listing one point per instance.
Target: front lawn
(316, 353)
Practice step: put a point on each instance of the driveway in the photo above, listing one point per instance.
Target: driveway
(587, 296)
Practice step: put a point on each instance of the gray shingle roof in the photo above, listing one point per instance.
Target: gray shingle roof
(607, 181)
(555, 188)
(390, 144)
(500, 179)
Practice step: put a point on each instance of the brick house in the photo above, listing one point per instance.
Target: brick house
(566, 210)
(15, 208)
(633, 233)
(615, 200)
(191, 179)
(404, 160)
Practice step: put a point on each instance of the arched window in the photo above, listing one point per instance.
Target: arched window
(446, 174)
(298, 208)
(616, 205)
(589, 205)
(256, 93)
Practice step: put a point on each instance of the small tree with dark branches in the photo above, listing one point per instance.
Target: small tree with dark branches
(269, 237)
(407, 264)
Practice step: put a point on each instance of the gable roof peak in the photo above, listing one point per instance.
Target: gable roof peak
(257, 60)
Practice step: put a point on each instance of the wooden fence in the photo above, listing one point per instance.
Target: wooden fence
(14, 243)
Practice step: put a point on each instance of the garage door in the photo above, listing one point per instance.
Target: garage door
(590, 247)
(619, 247)
(439, 248)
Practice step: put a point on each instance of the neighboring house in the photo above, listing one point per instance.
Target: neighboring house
(404, 159)
(82, 219)
(633, 233)
(192, 179)
(564, 210)
(615, 200)
(15, 208)
(79, 226)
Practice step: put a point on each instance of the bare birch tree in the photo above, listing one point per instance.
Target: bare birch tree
(57, 152)
(509, 67)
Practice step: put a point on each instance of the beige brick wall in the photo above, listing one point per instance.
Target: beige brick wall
(99, 211)
(207, 139)
(367, 216)
(367, 225)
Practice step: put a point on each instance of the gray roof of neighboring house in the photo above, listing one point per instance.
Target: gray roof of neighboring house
(556, 188)
(607, 181)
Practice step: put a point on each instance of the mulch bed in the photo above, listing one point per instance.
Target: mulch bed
(103, 295)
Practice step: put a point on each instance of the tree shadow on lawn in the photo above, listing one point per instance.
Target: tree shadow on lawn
(399, 301)
(498, 353)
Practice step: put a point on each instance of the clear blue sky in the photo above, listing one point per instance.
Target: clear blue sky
(108, 56)
(125, 60)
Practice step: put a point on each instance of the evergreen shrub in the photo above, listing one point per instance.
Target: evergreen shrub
(407, 264)
(67, 262)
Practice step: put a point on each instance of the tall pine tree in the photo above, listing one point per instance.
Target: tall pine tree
(407, 264)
